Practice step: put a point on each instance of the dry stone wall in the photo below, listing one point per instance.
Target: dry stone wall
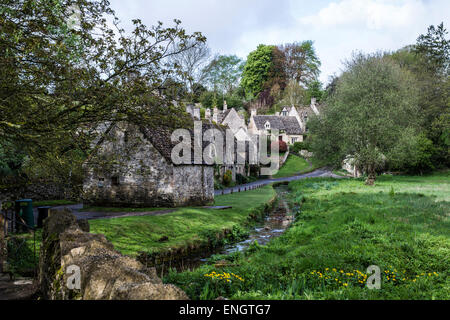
(75, 264)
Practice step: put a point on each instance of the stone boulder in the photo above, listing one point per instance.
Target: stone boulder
(68, 250)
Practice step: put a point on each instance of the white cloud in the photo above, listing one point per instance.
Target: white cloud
(337, 27)
(373, 14)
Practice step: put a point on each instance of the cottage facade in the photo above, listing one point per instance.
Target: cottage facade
(133, 167)
(289, 128)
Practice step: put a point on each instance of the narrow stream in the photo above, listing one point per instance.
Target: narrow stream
(274, 224)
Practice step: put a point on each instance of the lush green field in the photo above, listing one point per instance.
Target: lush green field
(184, 227)
(401, 225)
(294, 165)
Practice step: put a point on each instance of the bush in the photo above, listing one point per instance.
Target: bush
(296, 147)
(282, 146)
(227, 177)
(254, 170)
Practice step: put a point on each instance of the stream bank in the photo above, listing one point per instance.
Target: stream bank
(264, 225)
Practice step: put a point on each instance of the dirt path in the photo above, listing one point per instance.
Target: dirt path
(17, 289)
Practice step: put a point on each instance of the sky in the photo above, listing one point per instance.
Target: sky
(337, 27)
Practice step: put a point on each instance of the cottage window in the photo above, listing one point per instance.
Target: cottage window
(115, 181)
(267, 125)
(294, 140)
(284, 113)
(101, 182)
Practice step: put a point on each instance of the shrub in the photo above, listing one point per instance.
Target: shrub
(282, 146)
(227, 177)
(297, 146)
(241, 179)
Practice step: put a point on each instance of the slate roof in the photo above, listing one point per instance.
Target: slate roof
(289, 124)
(222, 115)
(160, 138)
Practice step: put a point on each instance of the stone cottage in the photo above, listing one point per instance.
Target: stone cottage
(289, 128)
(132, 167)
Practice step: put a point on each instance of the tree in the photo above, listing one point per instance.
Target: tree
(256, 69)
(374, 105)
(301, 62)
(435, 49)
(429, 60)
(314, 90)
(224, 73)
(59, 81)
(293, 95)
(191, 59)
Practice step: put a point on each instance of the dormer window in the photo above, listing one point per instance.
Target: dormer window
(284, 112)
(267, 125)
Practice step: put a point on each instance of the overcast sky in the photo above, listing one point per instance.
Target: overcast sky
(337, 27)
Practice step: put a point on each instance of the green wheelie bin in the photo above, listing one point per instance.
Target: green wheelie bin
(24, 208)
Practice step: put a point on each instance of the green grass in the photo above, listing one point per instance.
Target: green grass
(294, 165)
(184, 227)
(402, 225)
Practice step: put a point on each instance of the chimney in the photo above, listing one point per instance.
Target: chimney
(253, 112)
(189, 109)
(196, 113)
(225, 107)
(207, 113)
(215, 114)
(313, 106)
(277, 113)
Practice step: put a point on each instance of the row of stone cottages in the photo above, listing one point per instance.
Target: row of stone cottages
(133, 165)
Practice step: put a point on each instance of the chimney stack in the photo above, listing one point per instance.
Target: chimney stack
(207, 113)
(253, 112)
(313, 106)
(196, 113)
(225, 107)
(215, 114)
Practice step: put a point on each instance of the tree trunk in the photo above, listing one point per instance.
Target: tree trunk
(371, 175)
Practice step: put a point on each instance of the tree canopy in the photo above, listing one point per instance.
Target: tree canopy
(67, 66)
(373, 110)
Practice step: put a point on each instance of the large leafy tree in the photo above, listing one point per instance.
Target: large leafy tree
(191, 62)
(301, 61)
(60, 79)
(429, 61)
(224, 73)
(257, 69)
(373, 110)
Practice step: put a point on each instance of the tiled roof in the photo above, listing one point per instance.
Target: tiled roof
(160, 138)
(289, 124)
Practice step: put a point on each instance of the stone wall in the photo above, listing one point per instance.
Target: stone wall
(40, 191)
(194, 185)
(75, 264)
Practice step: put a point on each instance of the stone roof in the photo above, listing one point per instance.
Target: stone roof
(289, 124)
(160, 138)
(222, 115)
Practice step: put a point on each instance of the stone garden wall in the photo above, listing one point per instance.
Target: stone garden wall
(75, 264)
(40, 191)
